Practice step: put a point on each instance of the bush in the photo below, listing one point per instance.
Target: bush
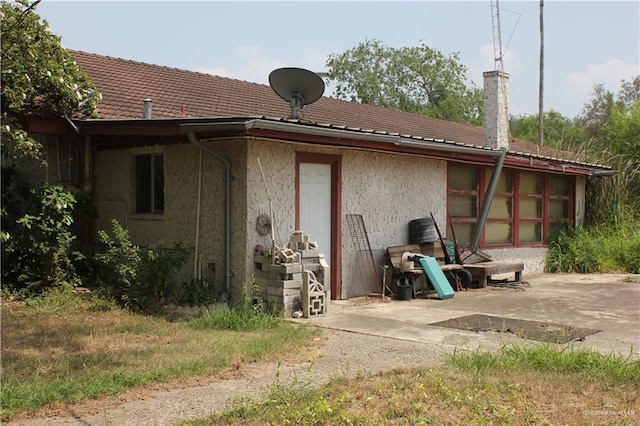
(601, 248)
(142, 279)
(38, 253)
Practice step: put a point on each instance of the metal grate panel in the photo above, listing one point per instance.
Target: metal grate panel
(364, 256)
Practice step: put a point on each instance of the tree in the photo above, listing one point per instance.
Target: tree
(415, 79)
(596, 114)
(612, 128)
(559, 131)
(39, 78)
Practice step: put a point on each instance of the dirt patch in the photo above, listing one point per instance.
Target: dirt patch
(532, 330)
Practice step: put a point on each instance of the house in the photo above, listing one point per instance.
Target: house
(181, 156)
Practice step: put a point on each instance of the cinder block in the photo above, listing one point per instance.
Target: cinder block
(270, 282)
(279, 291)
(307, 254)
(297, 237)
(286, 268)
(262, 274)
(313, 267)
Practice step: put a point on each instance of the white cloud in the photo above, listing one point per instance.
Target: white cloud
(251, 63)
(314, 60)
(510, 59)
(610, 74)
(485, 62)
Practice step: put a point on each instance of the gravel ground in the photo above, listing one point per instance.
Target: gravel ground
(343, 354)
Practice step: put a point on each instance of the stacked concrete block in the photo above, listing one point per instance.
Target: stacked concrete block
(279, 274)
(278, 284)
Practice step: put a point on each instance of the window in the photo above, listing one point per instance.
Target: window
(150, 184)
(499, 227)
(527, 207)
(463, 200)
(531, 206)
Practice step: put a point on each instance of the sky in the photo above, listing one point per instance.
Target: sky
(585, 42)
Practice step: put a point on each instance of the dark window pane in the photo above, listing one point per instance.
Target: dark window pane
(556, 227)
(559, 209)
(463, 178)
(143, 184)
(463, 206)
(559, 186)
(158, 184)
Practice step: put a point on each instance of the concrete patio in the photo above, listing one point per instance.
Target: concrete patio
(608, 302)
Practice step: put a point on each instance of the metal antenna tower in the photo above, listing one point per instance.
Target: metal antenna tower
(497, 37)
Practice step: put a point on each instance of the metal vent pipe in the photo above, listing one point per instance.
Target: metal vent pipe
(147, 109)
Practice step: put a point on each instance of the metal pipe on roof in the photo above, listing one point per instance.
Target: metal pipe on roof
(189, 129)
(147, 108)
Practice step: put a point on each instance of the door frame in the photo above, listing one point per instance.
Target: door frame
(335, 262)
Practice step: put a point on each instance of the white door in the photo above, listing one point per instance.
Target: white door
(315, 205)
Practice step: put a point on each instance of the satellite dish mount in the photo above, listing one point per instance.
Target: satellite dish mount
(297, 86)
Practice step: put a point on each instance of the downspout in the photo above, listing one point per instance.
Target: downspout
(227, 209)
(486, 204)
(197, 241)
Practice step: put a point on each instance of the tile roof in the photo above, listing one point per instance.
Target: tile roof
(176, 93)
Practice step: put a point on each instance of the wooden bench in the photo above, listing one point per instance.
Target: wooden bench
(482, 272)
(394, 259)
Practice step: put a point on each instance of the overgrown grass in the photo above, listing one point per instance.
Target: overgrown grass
(588, 364)
(542, 386)
(64, 348)
(600, 248)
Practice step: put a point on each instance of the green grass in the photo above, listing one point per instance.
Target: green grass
(64, 349)
(541, 385)
(602, 248)
(587, 364)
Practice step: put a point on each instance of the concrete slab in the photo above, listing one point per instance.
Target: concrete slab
(609, 302)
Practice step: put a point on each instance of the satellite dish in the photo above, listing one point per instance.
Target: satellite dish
(297, 86)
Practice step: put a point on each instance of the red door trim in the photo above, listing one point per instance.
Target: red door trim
(336, 208)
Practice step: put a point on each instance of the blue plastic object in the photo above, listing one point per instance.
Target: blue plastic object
(436, 277)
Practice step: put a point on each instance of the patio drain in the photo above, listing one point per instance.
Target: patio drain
(532, 330)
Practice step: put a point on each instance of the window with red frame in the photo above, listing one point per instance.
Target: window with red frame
(526, 210)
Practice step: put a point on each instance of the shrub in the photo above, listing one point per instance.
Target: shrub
(141, 278)
(38, 253)
(599, 248)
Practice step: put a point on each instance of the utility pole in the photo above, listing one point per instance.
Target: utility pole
(497, 37)
(541, 80)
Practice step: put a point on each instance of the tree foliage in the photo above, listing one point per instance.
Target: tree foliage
(611, 123)
(597, 112)
(559, 131)
(416, 79)
(39, 77)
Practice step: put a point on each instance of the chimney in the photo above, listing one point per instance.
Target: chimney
(147, 108)
(496, 111)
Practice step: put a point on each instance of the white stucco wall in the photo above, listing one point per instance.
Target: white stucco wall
(388, 190)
